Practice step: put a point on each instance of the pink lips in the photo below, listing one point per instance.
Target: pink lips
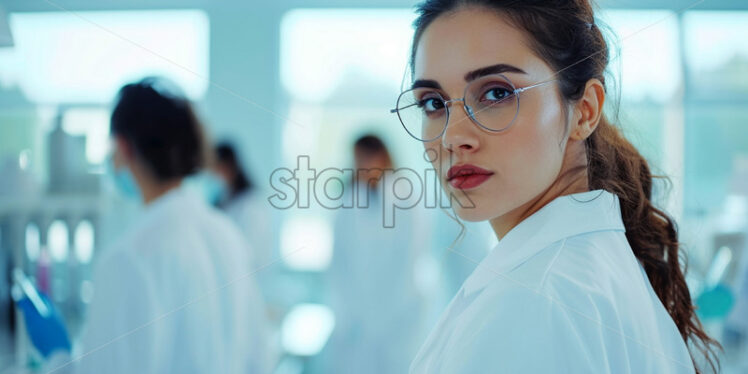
(467, 176)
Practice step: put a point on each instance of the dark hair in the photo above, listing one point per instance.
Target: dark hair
(161, 126)
(563, 33)
(226, 155)
(370, 144)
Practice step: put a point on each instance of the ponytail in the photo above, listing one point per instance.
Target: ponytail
(616, 166)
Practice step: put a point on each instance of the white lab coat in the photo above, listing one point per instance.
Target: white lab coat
(253, 215)
(176, 295)
(379, 310)
(562, 292)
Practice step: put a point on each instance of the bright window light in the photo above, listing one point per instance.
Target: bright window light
(93, 123)
(306, 328)
(649, 61)
(306, 243)
(84, 242)
(87, 56)
(715, 38)
(33, 241)
(58, 241)
(343, 70)
(323, 47)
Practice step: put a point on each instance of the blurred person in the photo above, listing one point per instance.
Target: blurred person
(372, 286)
(174, 295)
(586, 276)
(238, 196)
(230, 188)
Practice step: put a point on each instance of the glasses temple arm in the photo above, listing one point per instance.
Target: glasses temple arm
(398, 109)
(518, 90)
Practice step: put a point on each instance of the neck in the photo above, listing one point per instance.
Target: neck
(154, 191)
(571, 180)
(150, 187)
(503, 224)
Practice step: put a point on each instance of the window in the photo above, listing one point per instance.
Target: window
(86, 56)
(716, 116)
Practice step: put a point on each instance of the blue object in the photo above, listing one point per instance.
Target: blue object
(214, 188)
(123, 180)
(47, 333)
(715, 303)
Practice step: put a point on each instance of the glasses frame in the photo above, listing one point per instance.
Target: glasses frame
(468, 110)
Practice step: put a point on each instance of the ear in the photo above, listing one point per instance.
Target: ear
(588, 110)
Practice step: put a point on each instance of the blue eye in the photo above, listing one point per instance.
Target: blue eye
(497, 94)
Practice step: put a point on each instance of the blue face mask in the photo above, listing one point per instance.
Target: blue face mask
(214, 188)
(123, 180)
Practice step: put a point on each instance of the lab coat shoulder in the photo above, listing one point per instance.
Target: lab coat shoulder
(544, 319)
(172, 252)
(609, 298)
(124, 306)
(581, 305)
(141, 284)
(526, 332)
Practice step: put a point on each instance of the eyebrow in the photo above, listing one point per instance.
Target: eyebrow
(426, 83)
(493, 69)
(472, 75)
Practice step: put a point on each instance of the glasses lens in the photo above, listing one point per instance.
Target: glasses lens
(493, 102)
(422, 113)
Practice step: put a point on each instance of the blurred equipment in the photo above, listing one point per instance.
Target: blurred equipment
(716, 300)
(43, 321)
(68, 167)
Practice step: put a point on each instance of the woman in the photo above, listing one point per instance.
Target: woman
(239, 199)
(175, 295)
(586, 276)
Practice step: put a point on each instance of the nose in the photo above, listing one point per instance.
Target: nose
(460, 134)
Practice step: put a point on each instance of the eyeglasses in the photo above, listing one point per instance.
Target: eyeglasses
(491, 102)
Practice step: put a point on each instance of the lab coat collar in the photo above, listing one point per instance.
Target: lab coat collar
(179, 198)
(564, 217)
(166, 199)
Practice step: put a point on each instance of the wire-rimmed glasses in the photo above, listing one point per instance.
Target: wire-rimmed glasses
(491, 102)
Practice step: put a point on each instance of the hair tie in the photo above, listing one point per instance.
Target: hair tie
(589, 25)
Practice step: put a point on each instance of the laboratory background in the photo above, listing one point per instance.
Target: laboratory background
(279, 83)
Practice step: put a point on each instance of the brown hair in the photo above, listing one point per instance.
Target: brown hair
(563, 33)
(160, 123)
(371, 144)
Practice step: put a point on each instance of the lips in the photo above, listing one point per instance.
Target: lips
(467, 176)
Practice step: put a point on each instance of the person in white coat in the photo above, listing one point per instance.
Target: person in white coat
(586, 276)
(238, 196)
(176, 294)
(378, 306)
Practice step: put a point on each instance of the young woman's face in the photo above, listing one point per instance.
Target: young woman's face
(522, 161)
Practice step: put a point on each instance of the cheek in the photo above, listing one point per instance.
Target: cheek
(532, 152)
